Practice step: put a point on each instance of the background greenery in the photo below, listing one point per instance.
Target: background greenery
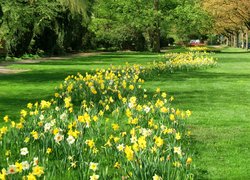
(58, 26)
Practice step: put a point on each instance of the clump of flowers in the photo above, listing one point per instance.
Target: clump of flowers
(189, 61)
(196, 59)
(204, 49)
(198, 48)
(98, 125)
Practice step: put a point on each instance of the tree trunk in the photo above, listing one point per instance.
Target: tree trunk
(1, 15)
(156, 31)
(247, 39)
(235, 40)
(242, 40)
(231, 40)
(1, 12)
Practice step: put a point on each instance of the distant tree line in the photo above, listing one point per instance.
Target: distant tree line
(57, 26)
(231, 20)
(147, 24)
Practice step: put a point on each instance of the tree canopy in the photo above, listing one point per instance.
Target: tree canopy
(231, 18)
(55, 26)
(47, 25)
(134, 22)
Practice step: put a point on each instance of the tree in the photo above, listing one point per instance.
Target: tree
(129, 21)
(156, 30)
(231, 17)
(119, 22)
(1, 14)
(49, 25)
(190, 20)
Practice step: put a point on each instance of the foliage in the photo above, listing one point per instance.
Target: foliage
(1, 15)
(55, 26)
(30, 56)
(32, 25)
(230, 15)
(117, 22)
(231, 18)
(191, 20)
(122, 23)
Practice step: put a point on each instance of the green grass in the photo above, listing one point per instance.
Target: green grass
(219, 99)
(42, 78)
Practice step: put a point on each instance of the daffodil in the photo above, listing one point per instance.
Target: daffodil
(158, 141)
(58, 138)
(6, 118)
(49, 150)
(70, 140)
(11, 169)
(129, 153)
(156, 177)
(189, 160)
(94, 177)
(3, 174)
(142, 143)
(25, 165)
(117, 165)
(90, 143)
(19, 167)
(37, 171)
(178, 136)
(24, 151)
(93, 166)
(120, 147)
(115, 126)
(31, 176)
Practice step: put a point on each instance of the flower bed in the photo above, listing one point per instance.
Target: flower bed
(102, 125)
(189, 61)
(199, 49)
(204, 49)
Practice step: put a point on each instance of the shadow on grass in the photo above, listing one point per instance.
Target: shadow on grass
(231, 50)
(102, 60)
(228, 52)
(41, 84)
(199, 173)
(20, 102)
(183, 76)
(39, 76)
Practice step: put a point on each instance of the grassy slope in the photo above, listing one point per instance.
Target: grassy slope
(218, 97)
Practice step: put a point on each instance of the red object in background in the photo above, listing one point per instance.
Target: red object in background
(196, 42)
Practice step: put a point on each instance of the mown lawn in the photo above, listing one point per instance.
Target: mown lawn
(16, 90)
(218, 97)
